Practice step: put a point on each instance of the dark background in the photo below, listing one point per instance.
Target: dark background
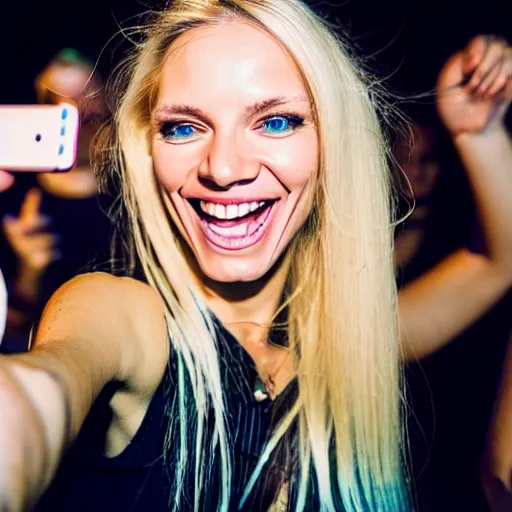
(408, 39)
(406, 42)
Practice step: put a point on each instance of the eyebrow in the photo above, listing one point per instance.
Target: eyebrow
(257, 108)
(168, 110)
(261, 106)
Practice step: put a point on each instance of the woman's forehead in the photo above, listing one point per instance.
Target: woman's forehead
(232, 58)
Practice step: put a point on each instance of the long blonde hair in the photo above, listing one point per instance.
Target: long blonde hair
(342, 307)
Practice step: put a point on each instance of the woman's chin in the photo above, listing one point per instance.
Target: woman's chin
(238, 272)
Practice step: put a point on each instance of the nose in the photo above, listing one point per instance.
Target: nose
(229, 162)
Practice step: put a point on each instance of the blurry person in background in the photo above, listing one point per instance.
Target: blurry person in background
(418, 155)
(53, 226)
(468, 278)
(70, 77)
(460, 266)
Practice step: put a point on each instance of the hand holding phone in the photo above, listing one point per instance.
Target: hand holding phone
(39, 138)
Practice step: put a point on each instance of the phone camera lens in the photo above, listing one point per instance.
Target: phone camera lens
(38, 137)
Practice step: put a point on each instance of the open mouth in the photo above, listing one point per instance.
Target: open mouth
(234, 226)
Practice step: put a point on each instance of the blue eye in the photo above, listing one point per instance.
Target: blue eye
(177, 131)
(277, 124)
(281, 124)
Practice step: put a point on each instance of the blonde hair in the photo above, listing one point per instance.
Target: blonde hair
(342, 307)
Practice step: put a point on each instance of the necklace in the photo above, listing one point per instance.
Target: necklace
(260, 390)
(264, 389)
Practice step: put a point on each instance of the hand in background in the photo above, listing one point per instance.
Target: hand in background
(34, 246)
(475, 86)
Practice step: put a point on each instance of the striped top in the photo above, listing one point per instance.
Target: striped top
(139, 479)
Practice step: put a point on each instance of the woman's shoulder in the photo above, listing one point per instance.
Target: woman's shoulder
(112, 287)
(145, 316)
(126, 313)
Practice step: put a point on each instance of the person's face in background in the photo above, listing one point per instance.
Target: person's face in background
(235, 147)
(63, 82)
(418, 159)
(68, 82)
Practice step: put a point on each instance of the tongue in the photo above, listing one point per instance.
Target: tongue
(237, 231)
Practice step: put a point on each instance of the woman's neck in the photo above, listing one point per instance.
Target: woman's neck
(247, 309)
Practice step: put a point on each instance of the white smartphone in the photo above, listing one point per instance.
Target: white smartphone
(40, 138)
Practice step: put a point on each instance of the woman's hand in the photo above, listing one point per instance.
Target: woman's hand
(475, 86)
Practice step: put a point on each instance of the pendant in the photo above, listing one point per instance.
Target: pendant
(260, 392)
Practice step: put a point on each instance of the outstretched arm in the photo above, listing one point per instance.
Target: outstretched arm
(455, 293)
(87, 337)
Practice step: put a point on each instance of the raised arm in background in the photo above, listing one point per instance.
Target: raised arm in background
(444, 301)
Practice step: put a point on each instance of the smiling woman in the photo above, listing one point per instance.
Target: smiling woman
(253, 173)
(237, 158)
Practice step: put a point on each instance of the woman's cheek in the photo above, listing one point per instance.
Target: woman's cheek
(295, 161)
(174, 163)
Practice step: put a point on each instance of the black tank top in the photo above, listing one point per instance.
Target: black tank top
(137, 480)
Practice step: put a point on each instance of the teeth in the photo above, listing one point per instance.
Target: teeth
(220, 211)
(243, 209)
(231, 211)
